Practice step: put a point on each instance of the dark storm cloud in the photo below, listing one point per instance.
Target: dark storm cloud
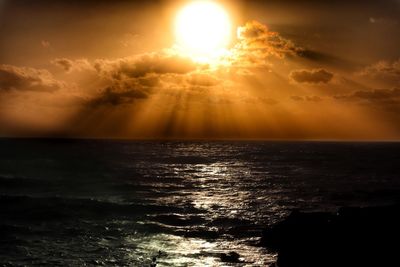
(317, 76)
(27, 79)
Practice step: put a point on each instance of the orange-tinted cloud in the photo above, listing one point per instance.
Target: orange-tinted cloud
(313, 98)
(111, 96)
(317, 76)
(142, 65)
(386, 99)
(27, 79)
(136, 77)
(255, 38)
(372, 95)
(69, 65)
(383, 69)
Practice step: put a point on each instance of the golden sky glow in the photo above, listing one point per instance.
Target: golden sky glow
(176, 69)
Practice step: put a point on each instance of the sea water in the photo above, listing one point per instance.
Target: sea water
(134, 203)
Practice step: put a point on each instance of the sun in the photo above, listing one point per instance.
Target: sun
(203, 30)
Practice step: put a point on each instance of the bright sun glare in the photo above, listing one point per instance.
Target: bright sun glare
(203, 30)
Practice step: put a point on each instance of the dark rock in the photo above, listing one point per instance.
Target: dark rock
(352, 237)
(153, 262)
(231, 257)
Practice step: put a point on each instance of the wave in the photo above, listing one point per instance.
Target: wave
(60, 208)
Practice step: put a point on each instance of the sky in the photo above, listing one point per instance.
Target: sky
(292, 70)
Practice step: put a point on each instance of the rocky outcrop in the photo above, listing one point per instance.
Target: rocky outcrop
(351, 237)
(231, 257)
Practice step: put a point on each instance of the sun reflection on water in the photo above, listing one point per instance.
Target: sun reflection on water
(171, 250)
(216, 202)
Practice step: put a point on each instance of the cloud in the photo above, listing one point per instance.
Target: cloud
(137, 77)
(27, 79)
(388, 99)
(134, 78)
(202, 79)
(126, 80)
(45, 44)
(142, 65)
(69, 65)
(64, 63)
(373, 95)
(382, 69)
(114, 96)
(317, 76)
(306, 98)
(129, 79)
(256, 43)
(260, 100)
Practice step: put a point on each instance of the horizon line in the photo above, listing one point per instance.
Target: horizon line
(283, 140)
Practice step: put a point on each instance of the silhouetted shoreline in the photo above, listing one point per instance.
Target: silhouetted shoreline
(351, 237)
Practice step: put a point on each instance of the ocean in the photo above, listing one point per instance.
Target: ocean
(171, 203)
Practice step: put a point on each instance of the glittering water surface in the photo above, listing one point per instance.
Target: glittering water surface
(121, 203)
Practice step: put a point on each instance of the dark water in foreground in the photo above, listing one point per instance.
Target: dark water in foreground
(118, 203)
